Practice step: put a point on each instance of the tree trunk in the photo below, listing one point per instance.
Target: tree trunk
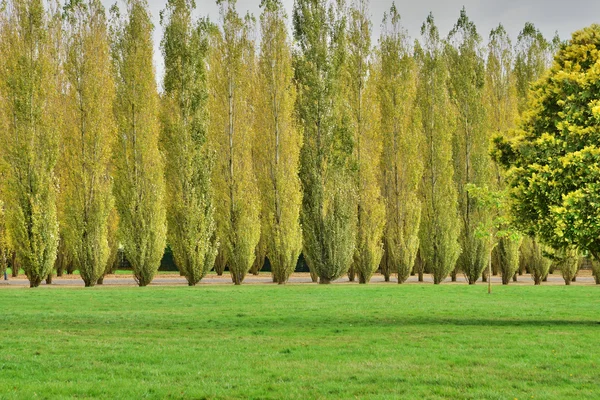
(49, 279)
(14, 265)
(352, 274)
(324, 281)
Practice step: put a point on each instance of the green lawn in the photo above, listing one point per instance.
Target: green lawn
(305, 341)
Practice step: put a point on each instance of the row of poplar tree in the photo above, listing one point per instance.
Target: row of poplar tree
(357, 156)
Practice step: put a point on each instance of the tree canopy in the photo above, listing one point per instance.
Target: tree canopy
(553, 161)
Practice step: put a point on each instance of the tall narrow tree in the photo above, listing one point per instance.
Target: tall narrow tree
(29, 141)
(138, 179)
(231, 133)
(501, 105)
(189, 162)
(402, 162)
(279, 145)
(89, 136)
(532, 59)
(364, 125)
(440, 225)
(329, 206)
(472, 163)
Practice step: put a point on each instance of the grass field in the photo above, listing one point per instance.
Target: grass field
(305, 341)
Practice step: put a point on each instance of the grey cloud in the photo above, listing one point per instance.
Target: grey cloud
(548, 15)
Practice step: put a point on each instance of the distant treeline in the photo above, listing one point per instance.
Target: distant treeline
(359, 156)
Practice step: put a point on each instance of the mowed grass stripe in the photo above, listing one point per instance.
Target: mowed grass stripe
(304, 341)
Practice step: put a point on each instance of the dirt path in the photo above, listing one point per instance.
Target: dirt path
(584, 278)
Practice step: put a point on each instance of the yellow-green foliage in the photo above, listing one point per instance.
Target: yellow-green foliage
(553, 161)
(402, 161)
(471, 142)
(278, 145)
(88, 138)
(113, 243)
(360, 91)
(189, 163)
(29, 141)
(327, 169)
(231, 95)
(533, 251)
(440, 225)
(501, 108)
(567, 260)
(5, 248)
(533, 57)
(138, 177)
(507, 253)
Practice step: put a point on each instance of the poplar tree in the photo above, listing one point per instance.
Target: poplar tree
(501, 105)
(138, 177)
(472, 163)
(232, 74)
(188, 167)
(329, 207)
(113, 244)
(29, 141)
(5, 247)
(278, 147)
(89, 136)
(532, 59)
(440, 225)
(402, 163)
(533, 252)
(364, 124)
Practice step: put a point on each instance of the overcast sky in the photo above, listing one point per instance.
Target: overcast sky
(549, 16)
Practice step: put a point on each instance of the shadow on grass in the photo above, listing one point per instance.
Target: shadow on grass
(496, 322)
(341, 324)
